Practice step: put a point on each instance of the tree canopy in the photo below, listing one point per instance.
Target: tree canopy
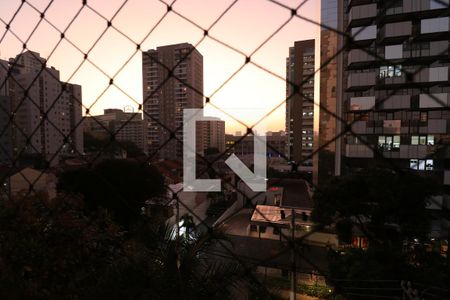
(105, 145)
(120, 186)
(55, 250)
(390, 209)
(386, 206)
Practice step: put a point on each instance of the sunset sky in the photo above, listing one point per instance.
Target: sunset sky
(250, 95)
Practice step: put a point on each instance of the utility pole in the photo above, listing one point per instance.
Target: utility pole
(294, 267)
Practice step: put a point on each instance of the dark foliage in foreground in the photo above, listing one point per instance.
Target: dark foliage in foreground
(54, 250)
(389, 209)
(120, 186)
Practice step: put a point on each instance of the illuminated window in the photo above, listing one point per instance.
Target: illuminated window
(389, 142)
(429, 165)
(421, 164)
(390, 71)
(413, 164)
(422, 140)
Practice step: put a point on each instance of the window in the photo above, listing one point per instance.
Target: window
(389, 142)
(423, 116)
(390, 71)
(262, 229)
(422, 140)
(421, 164)
(253, 228)
(429, 165)
(413, 164)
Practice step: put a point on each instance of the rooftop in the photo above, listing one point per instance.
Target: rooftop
(296, 192)
(277, 215)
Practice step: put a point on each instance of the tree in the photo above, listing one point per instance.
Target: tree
(48, 249)
(175, 268)
(55, 250)
(105, 145)
(389, 208)
(120, 186)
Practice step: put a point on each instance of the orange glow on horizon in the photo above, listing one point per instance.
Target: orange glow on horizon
(248, 96)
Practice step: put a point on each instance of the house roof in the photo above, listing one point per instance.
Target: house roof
(274, 215)
(296, 192)
(272, 253)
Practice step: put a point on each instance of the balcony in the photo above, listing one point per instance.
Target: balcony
(426, 8)
(396, 32)
(359, 127)
(364, 33)
(432, 75)
(362, 103)
(362, 14)
(352, 3)
(359, 58)
(434, 28)
(413, 151)
(394, 82)
(397, 102)
(361, 81)
(437, 126)
(441, 100)
(358, 151)
(423, 5)
(437, 50)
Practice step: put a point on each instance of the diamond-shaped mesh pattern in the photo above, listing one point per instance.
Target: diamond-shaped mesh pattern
(28, 97)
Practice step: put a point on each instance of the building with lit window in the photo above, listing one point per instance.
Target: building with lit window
(44, 114)
(300, 102)
(172, 81)
(397, 92)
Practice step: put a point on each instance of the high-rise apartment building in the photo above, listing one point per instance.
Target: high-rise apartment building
(213, 134)
(125, 126)
(5, 113)
(172, 81)
(396, 90)
(300, 103)
(328, 158)
(45, 112)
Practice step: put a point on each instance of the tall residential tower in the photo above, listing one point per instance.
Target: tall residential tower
(396, 88)
(172, 81)
(45, 113)
(300, 103)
